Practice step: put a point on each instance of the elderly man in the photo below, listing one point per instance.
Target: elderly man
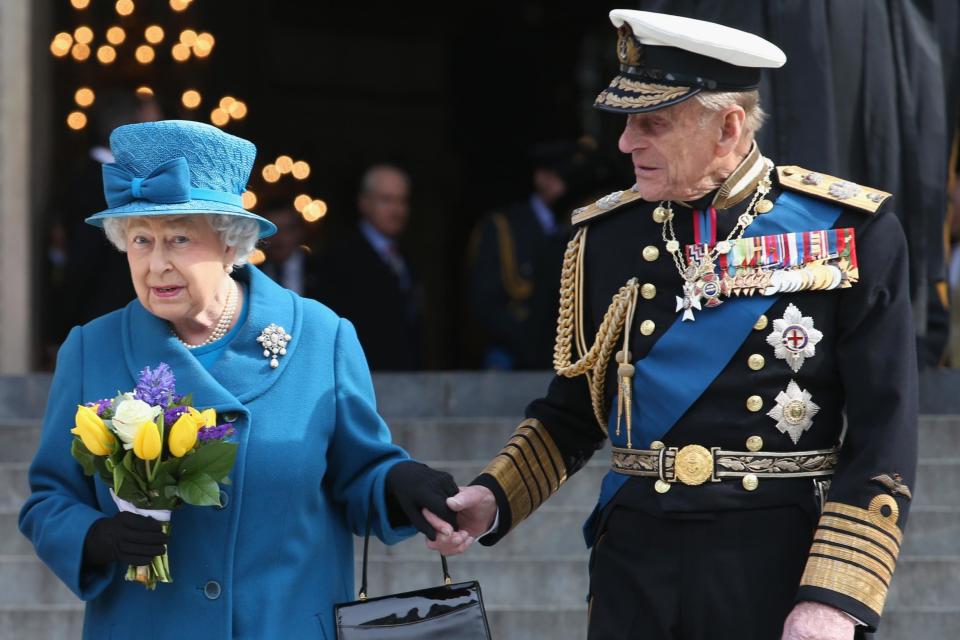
(719, 321)
(385, 307)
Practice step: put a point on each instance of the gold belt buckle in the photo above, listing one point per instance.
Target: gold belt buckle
(693, 465)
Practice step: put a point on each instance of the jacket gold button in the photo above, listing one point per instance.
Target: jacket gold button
(756, 362)
(647, 327)
(656, 445)
(754, 403)
(754, 443)
(648, 291)
(661, 486)
(750, 482)
(761, 323)
(650, 253)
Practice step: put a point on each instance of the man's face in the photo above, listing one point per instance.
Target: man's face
(671, 149)
(385, 203)
(288, 237)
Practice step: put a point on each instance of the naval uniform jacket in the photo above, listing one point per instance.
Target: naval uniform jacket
(728, 378)
(313, 456)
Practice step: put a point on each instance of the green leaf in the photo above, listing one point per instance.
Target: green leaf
(171, 491)
(214, 459)
(200, 490)
(83, 456)
(186, 401)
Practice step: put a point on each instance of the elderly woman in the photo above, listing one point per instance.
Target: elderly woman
(314, 458)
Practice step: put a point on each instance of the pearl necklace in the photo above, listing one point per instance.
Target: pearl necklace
(693, 273)
(223, 324)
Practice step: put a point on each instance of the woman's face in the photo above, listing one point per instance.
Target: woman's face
(178, 264)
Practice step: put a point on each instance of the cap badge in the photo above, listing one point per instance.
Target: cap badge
(629, 51)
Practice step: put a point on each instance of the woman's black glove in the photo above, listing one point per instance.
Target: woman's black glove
(412, 486)
(127, 538)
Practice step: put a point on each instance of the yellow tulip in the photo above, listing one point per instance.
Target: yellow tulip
(93, 432)
(209, 418)
(183, 435)
(146, 445)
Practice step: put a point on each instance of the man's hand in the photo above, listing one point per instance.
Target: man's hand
(476, 509)
(815, 621)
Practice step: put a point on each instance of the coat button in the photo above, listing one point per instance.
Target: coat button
(656, 445)
(648, 291)
(754, 403)
(212, 590)
(224, 499)
(661, 487)
(756, 362)
(750, 482)
(647, 327)
(231, 416)
(761, 323)
(650, 253)
(754, 443)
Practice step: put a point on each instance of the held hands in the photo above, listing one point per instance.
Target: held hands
(816, 621)
(127, 538)
(475, 508)
(414, 489)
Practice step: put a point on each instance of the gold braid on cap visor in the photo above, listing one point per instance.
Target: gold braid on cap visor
(649, 94)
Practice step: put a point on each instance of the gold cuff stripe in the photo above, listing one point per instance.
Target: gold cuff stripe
(867, 517)
(538, 433)
(530, 440)
(854, 556)
(530, 469)
(850, 580)
(874, 550)
(861, 528)
(863, 531)
(504, 470)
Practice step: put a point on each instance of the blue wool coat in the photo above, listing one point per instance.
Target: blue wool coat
(313, 455)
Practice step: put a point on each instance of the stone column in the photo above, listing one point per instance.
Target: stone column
(16, 267)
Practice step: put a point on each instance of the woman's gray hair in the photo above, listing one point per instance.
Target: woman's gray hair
(234, 231)
(716, 101)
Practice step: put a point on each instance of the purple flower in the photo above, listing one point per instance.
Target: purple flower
(170, 415)
(219, 432)
(100, 405)
(156, 387)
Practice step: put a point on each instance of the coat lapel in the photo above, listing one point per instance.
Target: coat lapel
(241, 373)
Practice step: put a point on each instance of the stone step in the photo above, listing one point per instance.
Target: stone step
(925, 581)
(463, 438)
(65, 622)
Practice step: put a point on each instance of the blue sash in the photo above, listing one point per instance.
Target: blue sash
(690, 355)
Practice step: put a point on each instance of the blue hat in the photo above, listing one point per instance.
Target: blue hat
(177, 167)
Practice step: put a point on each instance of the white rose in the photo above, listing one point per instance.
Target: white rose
(129, 415)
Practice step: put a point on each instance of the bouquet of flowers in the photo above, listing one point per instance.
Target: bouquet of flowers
(156, 452)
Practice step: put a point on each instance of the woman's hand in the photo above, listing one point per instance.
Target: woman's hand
(476, 509)
(127, 538)
(413, 487)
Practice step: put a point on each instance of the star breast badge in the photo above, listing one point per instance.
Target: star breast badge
(794, 411)
(794, 338)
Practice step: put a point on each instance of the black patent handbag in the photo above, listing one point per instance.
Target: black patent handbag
(446, 612)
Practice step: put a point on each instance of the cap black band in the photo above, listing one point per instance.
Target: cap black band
(690, 69)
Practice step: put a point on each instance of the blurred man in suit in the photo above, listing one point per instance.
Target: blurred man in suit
(365, 278)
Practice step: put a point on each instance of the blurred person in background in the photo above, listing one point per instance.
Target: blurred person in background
(87, 276)
(288, 260)
(516, 252)
(364, 276)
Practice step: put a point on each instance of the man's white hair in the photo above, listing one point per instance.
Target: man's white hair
(716, 101)
(234, 231)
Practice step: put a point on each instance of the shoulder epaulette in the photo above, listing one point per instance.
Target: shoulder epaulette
(820, 185)
(604, 205)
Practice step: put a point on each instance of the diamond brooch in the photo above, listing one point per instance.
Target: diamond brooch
(274, 340)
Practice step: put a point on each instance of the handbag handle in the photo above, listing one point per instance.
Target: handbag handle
(366, 548)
